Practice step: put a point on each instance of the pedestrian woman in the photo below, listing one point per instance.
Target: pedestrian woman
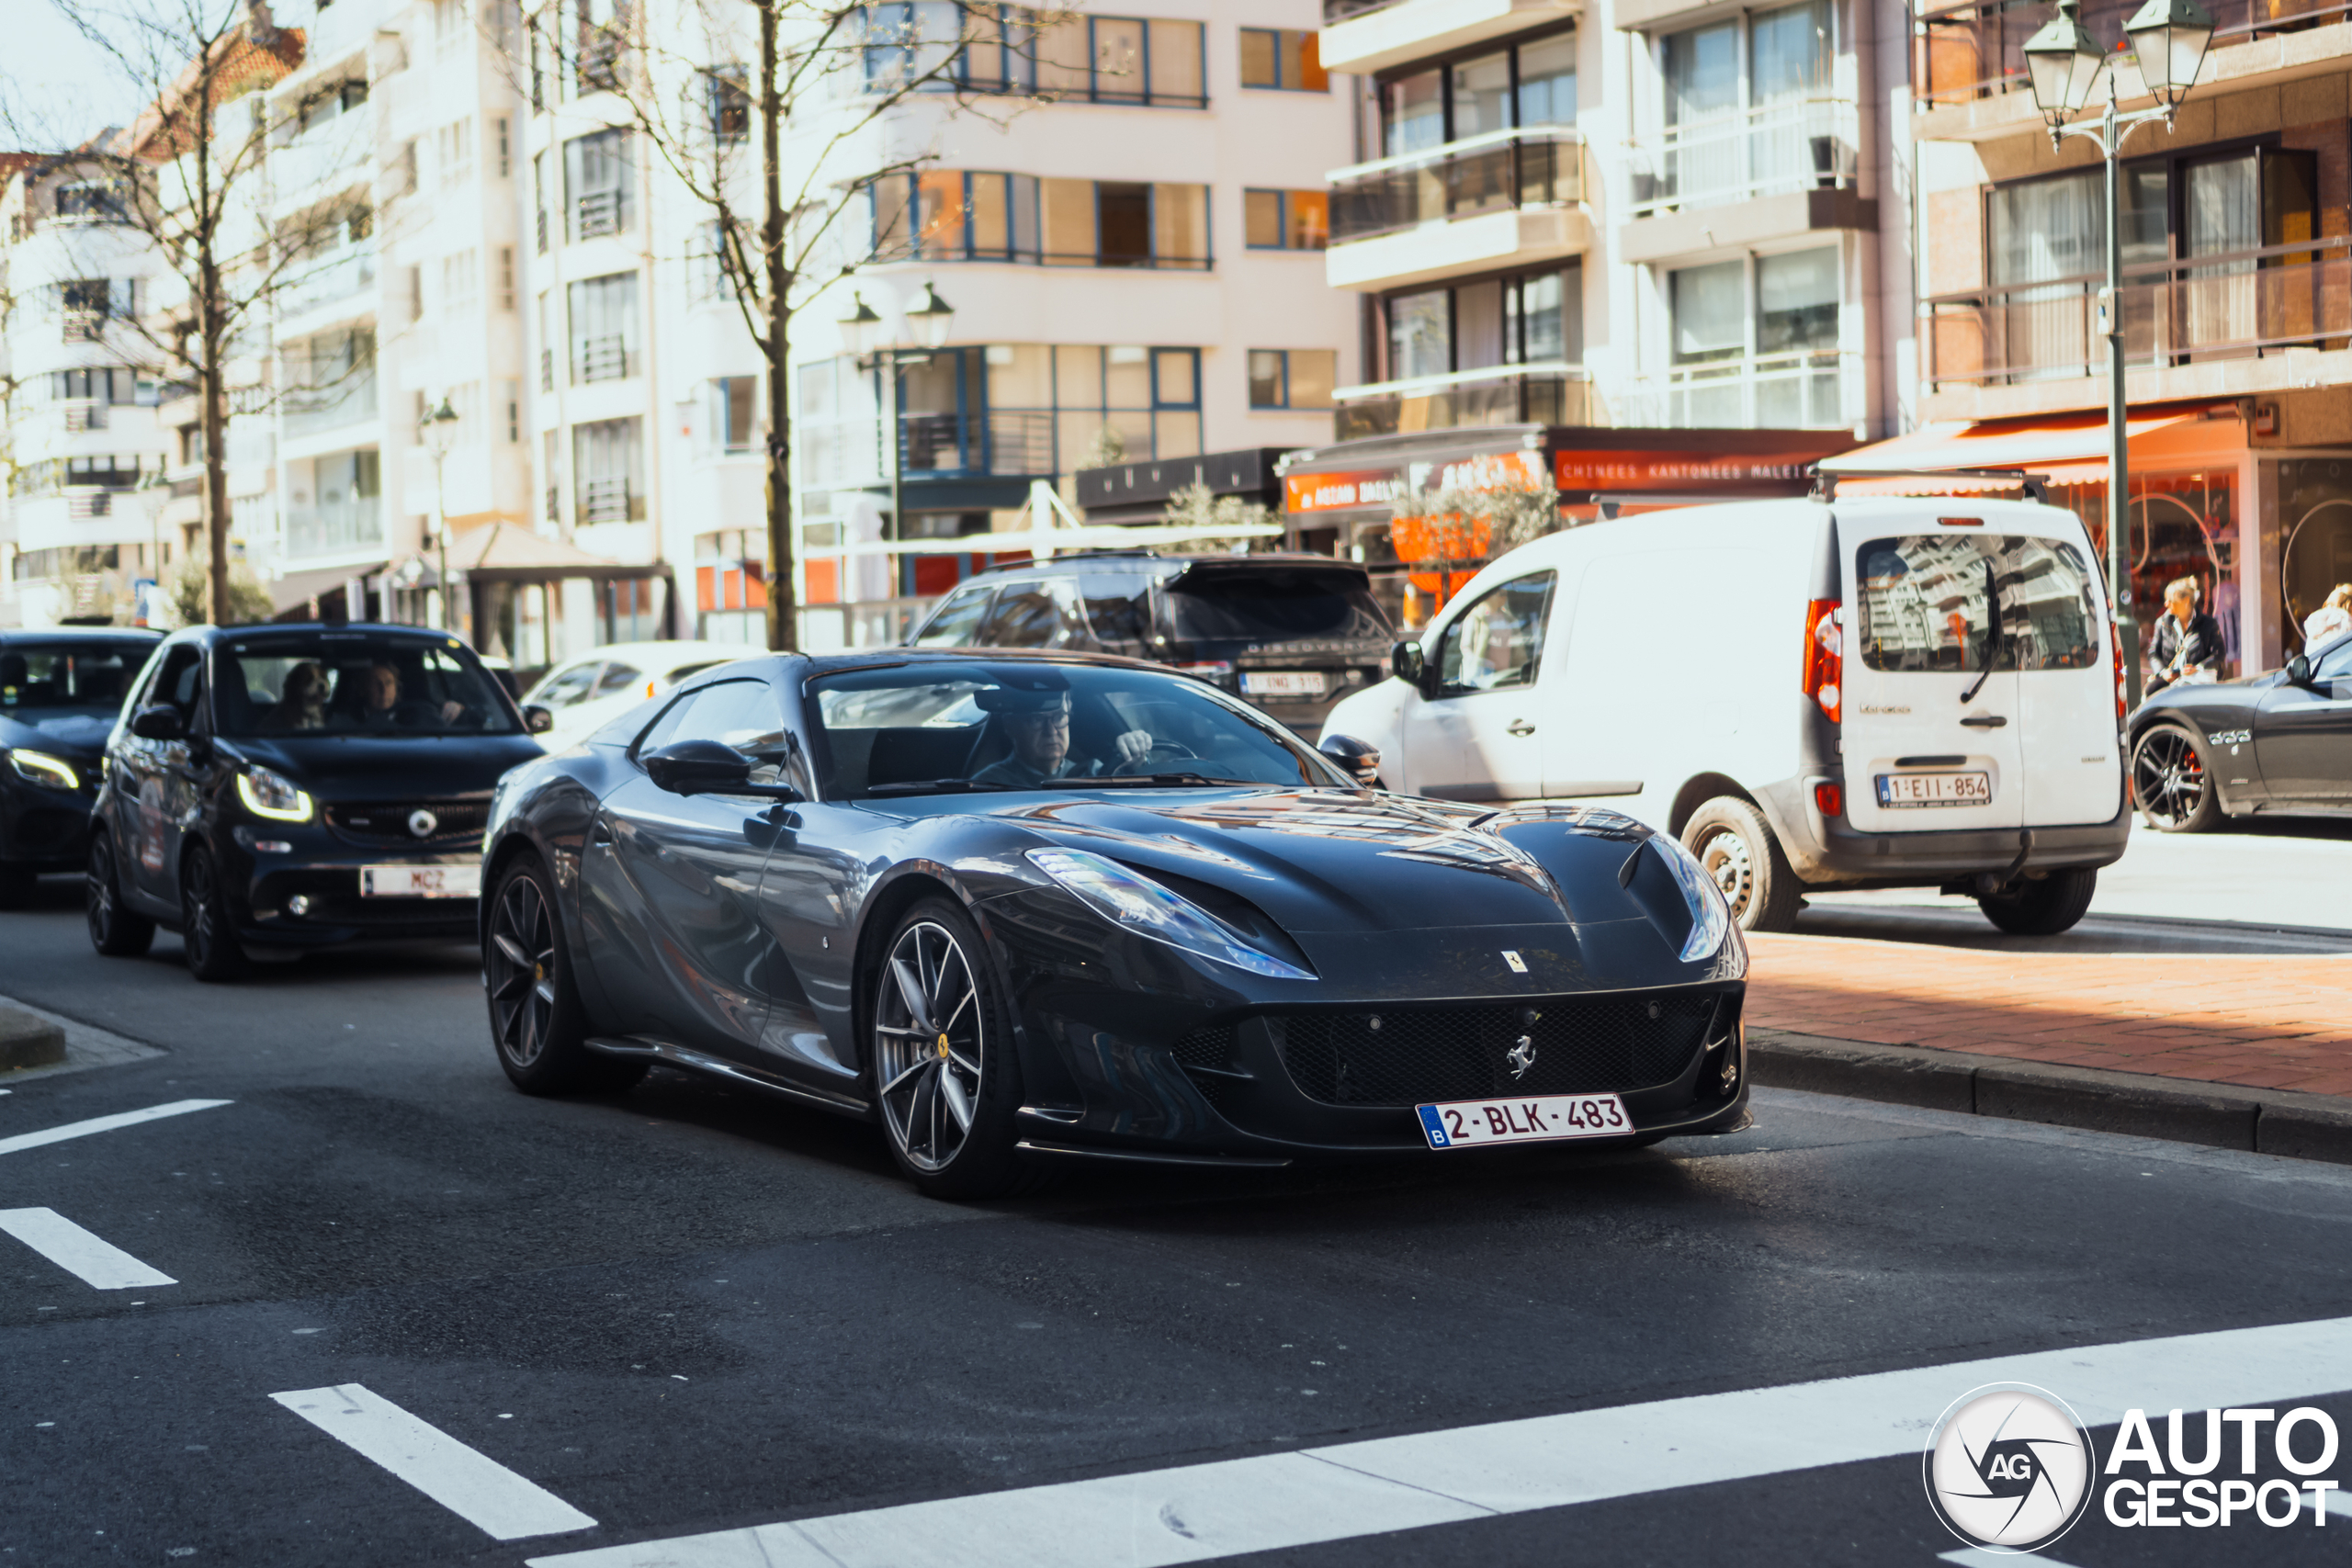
(2331, 619)
(2188, 642)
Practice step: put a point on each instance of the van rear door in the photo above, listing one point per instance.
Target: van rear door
(2054, 618)
(1930, 723)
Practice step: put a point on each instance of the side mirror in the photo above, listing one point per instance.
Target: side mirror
(1405, 662)
(537, 720)
(708, 767)
(159, 722)
(1352, 757)
(2299, 672)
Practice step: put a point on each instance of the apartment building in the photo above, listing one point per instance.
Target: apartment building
(2237, 245)
(1647, 249)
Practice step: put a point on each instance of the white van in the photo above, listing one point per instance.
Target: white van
(1799, 690)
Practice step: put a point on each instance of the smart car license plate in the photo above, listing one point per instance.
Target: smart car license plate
(1934, 789)
(1535, 1119)
(420, 882)
(1282, 683)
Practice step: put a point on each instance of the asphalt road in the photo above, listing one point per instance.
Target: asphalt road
(690, 1310)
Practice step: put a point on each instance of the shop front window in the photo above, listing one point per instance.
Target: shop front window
(2183, 525)
(2314, 538)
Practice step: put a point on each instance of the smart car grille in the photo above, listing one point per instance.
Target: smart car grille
(1581, 1044)
(386, 822)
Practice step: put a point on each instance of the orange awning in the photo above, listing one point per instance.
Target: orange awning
(2068, 447)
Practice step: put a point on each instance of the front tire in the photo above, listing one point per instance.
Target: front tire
(1736, 845)
(206, 932)
(536, 1019)
(944, 1073)
(2042, 908)
(115, 931)
(2172, 784)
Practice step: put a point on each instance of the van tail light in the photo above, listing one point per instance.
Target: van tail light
(1825, 658)
(1831, 798)
(2115, 645)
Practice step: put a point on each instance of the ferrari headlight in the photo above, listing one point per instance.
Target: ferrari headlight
(1144, 907)
(40, 768)
(271, 794)
(1710, 916)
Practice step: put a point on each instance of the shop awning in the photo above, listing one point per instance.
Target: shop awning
(2067, 447)
(296, 589)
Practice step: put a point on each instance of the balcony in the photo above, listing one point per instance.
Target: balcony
(310, 410)
(599, 213)
(1002, 442)
(1374, 39)
(1800, 389)
(324, 279)
(1467, 207)
(83, 416)
(1783, 170)
(346, 523)
(606, 501)
(1966, 52)
(1503, 394)
(2243, 306)
(83, 326)
(602, 359)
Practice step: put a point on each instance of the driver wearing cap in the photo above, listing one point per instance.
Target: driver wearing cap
(1037, 724)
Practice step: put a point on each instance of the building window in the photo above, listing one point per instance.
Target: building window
(100, 202)
(1796, 302)
(734, 409)
(1291, 378)
(1709, 305)
(599, 184)
(609, 457)
(539, 199)
(958, 215)
(603, 328)
(1286, 219)
(1282, 59)
(114, 385)
(1516, 88)
(1535, 319)
(460, 283)
(453, 153)
(603, 33)
(505, 277)
(730, 584)
(730, 103)
(707, 274)
(1106, 60)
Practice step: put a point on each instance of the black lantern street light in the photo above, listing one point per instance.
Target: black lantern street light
(930, 317)
(439, 429)
(2064, 64)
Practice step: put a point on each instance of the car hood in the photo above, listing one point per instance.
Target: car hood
(362, 767)
(74, 736)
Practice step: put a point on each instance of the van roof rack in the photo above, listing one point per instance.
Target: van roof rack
(1825, 484)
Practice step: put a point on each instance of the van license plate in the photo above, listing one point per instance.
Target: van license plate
(420, 881)
(1282, 683)
(1536, 1119)
(1934, 789)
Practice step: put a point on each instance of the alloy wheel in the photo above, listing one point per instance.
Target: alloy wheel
(521, 963)
(2167, 778)
(203, 933)
(929, 1048)
(98, 903)
(1725, 856)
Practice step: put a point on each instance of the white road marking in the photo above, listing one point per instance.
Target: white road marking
(77, 1251)
(1977, 1557)
(468, 1483)
(1194, 1513)
(104, 1125)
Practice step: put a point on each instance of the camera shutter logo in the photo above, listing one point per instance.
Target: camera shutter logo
(2009, 1466)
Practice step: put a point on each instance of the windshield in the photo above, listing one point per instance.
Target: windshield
(929, 729)
(71, 680)
(355, 683)
(1927, 599)
(1306, 604)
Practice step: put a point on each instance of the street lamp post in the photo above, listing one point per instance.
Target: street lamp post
(862, 333)
(2064, 64)
(154, 494)
(439, 430)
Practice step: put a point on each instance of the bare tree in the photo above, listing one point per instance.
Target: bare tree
(189, 176)
(779, 151)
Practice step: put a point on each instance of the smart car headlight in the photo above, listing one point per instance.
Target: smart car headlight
(1144, 907)
(273, 795)
(1710, 916)
(40, 768)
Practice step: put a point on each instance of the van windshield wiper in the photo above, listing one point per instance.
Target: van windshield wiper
(1992, 634)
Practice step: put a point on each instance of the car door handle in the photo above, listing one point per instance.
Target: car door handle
(1520, 726)
(1985, 721)
(600, 831)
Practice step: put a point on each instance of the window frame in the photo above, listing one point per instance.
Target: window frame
(1284, 61)
(1286, 405)
(1443, 66)
(1446, 693)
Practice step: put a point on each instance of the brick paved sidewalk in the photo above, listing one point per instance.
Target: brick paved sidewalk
(2268, 1022)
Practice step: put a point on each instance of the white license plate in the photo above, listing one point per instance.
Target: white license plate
(1934, 789)
(1282, 683)
(1537, 1119)
(420, 881)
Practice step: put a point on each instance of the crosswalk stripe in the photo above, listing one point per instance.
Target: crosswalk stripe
(104, 1125)
(462, 1479)
(77, 1251)
(1196, 1513)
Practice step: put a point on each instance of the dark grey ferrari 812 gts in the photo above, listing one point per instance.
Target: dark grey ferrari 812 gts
(1018, 908)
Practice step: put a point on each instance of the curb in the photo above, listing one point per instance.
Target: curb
(2222, 1116)
(28, 1042)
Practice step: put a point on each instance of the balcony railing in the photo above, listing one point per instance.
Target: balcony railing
(312, 409)
(547, 370)
(90, 503)
(85, 326)
(604, 359)
(605, 500)
(598, 213)
(1975, 52)
(1505, 394)
(1542, 166)
(85, 416)
(1800, 389)
(1002, 442)
(345, 522)
(323, 279)
(2232, 307)
(555, 503)
(1782, 148)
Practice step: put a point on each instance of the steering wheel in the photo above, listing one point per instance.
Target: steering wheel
(1161, 750)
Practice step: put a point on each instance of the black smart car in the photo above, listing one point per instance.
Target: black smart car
(2276, 743)
(274, 789)
(59, 693)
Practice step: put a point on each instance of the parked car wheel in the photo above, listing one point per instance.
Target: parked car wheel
(205, 930)
(536, 1017)
(115, 931)
(2042, 908)
(1736, 845)
(2171, 783)
(944, 1072)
